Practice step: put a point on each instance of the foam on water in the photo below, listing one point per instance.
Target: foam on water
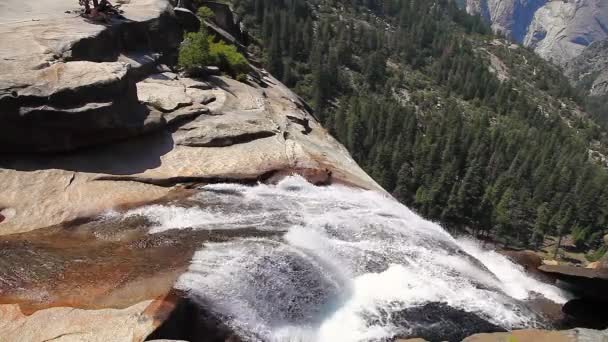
(349, 262)
(513, 278)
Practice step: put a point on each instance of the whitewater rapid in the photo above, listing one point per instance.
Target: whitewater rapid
(345, 265)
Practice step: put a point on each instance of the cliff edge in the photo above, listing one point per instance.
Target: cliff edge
(95, 118)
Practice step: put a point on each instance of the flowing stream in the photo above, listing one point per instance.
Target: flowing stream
(345, 265)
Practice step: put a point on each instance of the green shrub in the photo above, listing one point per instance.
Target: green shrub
(241, 78)
(199, 50)
(228, 58)
(205, 13)
(597, 254)
(194, 52)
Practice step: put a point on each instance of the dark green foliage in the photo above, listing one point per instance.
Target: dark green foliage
(228, 58)
(406, 86)
(194, 51)
(205, 13)
(597, 254)
(200, 49)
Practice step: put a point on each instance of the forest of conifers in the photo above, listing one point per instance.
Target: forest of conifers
(407, 86)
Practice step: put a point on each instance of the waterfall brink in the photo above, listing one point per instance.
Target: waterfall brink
(345, 265)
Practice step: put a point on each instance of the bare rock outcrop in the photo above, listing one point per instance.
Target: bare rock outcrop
(589, 70)
(64, 84)
(509, 17)
(71, 105)
(93, 122)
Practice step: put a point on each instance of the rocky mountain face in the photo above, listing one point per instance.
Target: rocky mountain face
(510, 17)
(561, 30)
(589, 70)
(93, 119)
(558, 31)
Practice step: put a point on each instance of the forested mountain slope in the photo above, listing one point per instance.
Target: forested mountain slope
(465, 128)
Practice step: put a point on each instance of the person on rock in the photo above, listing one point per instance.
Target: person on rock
(99, 11)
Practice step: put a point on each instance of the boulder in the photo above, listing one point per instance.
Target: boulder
(587, 312)
(164, 97)
(550, 262)
(589, 285)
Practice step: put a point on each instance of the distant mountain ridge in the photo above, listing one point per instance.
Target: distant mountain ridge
(558, 31)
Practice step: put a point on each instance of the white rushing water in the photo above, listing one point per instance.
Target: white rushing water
(349, 264)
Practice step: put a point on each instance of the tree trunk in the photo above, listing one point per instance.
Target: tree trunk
(559, 244)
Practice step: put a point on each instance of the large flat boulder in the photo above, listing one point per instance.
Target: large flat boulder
(67, 324)
(61, 87)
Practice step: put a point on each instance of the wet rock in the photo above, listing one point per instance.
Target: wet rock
(191, 321)
(591, 283)
(440, 322)
(587, 313)
(314, 176)
(550, 311)
(590, 286)
(530, 262)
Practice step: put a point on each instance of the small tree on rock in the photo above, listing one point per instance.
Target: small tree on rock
(194, 52)
(205, 13)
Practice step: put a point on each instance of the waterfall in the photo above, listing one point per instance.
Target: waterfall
(344, 265)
